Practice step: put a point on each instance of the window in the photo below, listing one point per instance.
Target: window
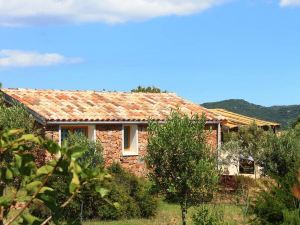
(246, 166)
(126, 138)
(130, 140)
(65, 130)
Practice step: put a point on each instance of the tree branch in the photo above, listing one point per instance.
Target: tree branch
(35, 194)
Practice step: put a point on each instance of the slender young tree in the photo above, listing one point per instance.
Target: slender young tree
(180, 161)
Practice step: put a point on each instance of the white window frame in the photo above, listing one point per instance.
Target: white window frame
(135, 151)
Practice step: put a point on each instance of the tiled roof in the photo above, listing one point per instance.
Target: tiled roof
(235, 120)
(58, 105)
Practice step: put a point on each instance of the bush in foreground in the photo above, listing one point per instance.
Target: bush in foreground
(131, 193)
(208, 215)
(276, 204)
(23, 184)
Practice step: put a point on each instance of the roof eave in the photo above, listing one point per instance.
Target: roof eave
(60, 122)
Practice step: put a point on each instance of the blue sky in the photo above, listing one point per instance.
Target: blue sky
(206, 50)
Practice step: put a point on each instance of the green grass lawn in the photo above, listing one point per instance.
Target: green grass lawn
(169, 214)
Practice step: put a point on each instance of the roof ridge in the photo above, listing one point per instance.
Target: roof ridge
(87, 90)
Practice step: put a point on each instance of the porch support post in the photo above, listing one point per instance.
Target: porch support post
(219, 137)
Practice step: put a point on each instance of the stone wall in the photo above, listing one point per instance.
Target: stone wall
(110, 136)
(111, 139)
(212, 135)
(52, 133)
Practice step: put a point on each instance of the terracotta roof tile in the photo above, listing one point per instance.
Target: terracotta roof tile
(236, 120)
(58, 105)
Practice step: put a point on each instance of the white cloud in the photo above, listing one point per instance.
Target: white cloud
(33, 12)
(17, 58)
(290, 2)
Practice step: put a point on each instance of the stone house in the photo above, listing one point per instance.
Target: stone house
(117, 120)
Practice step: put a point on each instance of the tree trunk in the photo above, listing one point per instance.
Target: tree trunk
(183, 214)
(254, 170)
(1, 215)
(1, 207)
(184, 209)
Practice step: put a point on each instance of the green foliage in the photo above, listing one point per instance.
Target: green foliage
(250, 139)
(285, 115)
(209, 215)
(16, 117)
(291, 217)
(249, 135)
(282, 155)
(282, 161)
(269, 205)
(23, 182)
(148, 89)
(130, 192)
(93, 156)
(179, 159)
(296, 123)
(137, 188)
(247, 142)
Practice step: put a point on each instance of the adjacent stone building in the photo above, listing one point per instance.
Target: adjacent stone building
(117, 120)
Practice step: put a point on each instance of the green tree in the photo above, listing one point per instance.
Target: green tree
(276, 204)
(21, 181)
(281, 155)
(180, 161)
(148, 89)
(247, 142)
(296, 123)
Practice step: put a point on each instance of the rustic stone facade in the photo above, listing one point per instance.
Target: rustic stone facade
(212, 135)
(110, 136)
(111, 139)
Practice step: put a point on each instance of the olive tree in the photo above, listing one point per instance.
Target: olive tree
(180, 161)
(247, 142)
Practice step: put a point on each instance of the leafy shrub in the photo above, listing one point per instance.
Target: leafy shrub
(291, 217)
(136, 188)
(130, 192)
(269, 207)
(91, 158)
(16, 117)
(23, 182)
(276, 203)
(208, 215)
